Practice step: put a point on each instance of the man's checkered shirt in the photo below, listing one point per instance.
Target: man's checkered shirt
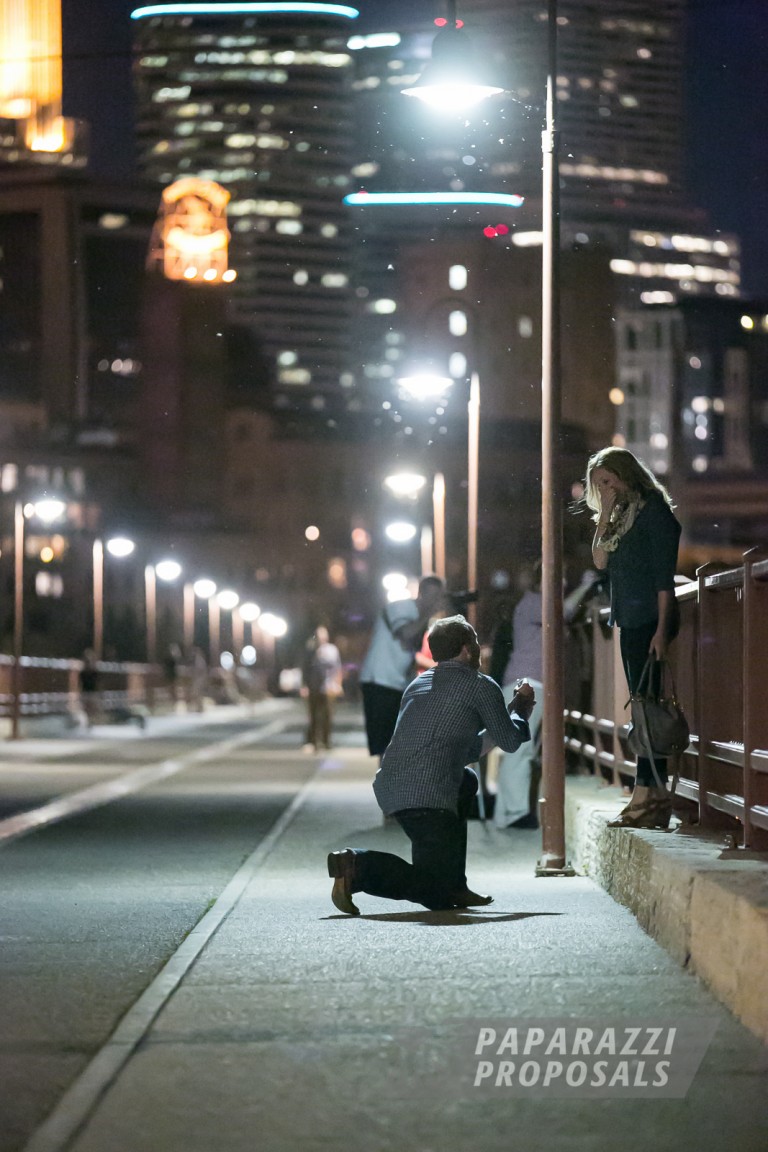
(444, 714)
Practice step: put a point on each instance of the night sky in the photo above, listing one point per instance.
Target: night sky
(727, 118)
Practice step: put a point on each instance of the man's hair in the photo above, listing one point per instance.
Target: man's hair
(428, 583)
(447, 637)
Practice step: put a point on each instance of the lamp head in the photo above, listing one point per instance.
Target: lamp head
(453, 79)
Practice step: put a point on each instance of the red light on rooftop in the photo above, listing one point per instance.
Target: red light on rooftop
(501, 229)
(441, 21)
(459, 23)
(490, 231)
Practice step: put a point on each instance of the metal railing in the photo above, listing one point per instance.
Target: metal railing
(720, 666)
(52, 687)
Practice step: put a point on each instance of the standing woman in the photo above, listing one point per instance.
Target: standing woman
(636, 540)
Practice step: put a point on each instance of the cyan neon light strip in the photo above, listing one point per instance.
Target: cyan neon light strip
(499, 199)
(215, 9)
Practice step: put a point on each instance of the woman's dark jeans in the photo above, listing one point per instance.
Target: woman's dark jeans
(635, 643)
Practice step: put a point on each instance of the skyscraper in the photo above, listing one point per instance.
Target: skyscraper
(257, 97)
(621, 125)
(32, 128)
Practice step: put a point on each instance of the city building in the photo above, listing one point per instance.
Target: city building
(691, 398)
(257, 97)
(32, 127)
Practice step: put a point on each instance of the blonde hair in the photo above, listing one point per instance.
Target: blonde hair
(631, 471)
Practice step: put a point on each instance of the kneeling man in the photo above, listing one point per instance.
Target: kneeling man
(450, 715)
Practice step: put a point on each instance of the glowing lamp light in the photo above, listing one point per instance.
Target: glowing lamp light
(229, 275)
(274, 626)
(227, 599)
(424, 385)
(394, 582)
(248, 6)
(400, 531)
(168, 570)
(405, 483)
(204, 589)
(120, 546)
(312, 532)
(249, 611)
(49, 510)
(248, 656)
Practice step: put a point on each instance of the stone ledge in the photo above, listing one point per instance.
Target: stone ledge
(708, 908)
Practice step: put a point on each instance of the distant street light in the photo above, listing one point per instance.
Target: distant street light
(168, 570)
(400, 531)
(274, 626)
(425, 385)
(120, 547)
(406, 483)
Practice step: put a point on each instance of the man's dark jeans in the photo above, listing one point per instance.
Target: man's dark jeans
(438, 853)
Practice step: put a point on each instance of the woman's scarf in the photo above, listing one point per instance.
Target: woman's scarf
(623, 517)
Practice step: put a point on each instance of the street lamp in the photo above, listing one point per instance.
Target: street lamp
(453, 58)
(119, 547)
(205, 589)
(408, 485)
(49, 510)
(226, 600)
(167, 571)
(425, 386)
(247, 613)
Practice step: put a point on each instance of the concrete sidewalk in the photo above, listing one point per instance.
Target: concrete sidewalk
(283, 1026)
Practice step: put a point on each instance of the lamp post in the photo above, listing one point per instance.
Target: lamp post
(226, 600)
(49, 510)
(120, 547)
(454, 70)
(204, 589)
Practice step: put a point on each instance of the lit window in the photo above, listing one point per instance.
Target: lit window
(289, 227)
(312, 532)
(616, 396)
(329, 231)
(334, 280)
(300, 277)
(286, 358)
(747, 323)
(383, 306)
(699, 464)
(525, 326)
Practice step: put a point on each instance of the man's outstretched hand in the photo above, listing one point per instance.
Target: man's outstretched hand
(523, 700)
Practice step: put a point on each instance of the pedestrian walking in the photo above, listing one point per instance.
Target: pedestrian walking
(449, 716)
(88, 679)
(636, 540)
(386, 669)
(321, 685)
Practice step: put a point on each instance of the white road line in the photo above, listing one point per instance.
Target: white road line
(76, 1105)
(110, 790)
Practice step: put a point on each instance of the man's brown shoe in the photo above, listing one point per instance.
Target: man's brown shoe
(468, 899)
(341, 867)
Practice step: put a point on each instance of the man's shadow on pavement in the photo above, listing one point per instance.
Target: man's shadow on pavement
(453, 918)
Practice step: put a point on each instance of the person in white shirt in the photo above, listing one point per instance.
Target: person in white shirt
(386, 669)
